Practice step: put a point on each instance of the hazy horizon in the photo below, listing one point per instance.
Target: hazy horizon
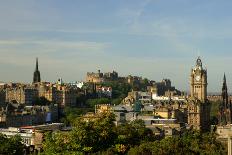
(151, 38)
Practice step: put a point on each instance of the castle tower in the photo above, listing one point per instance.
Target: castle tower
(198, 105)
(225, 107)
(36, 77)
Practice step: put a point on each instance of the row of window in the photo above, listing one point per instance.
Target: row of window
(193, 120)
(193, 108)
(197, 86)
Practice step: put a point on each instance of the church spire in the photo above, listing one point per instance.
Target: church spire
(37, 66)
(36, 77)
(224, 79)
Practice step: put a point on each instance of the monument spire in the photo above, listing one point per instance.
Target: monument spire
(225, 106)
(224, 92)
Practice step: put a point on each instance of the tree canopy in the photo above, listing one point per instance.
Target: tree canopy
(101, 136)
(11, 146)
(192, 142)
(97, 135)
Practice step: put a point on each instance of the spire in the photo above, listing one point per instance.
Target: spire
(224, 86)
(224, 78)
(36, 77)
(224, 92)
(37, 66)
(225, 106)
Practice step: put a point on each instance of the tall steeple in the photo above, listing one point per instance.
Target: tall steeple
(224, 92)
(225, 107)
(37, 66)
(36, 77)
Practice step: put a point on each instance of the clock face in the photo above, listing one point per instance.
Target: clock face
(198, 78)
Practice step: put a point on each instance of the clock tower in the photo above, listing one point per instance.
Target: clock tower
(198, 81)
(198, 105)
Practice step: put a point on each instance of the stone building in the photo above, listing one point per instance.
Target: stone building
(198, 104)
(163, 88)
(164, 112)
(143, 97)
(20, 93)
(14, 115)
(172, 109)
(134, 80)
(101, 77)
(63, 95)
(111, 76)
(94, 77)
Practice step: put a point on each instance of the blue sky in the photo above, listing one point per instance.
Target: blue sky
(150, 38)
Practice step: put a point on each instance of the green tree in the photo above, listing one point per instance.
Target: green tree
(11, 146)
(71, 113)
(116, 101)
(119, 89)
(93, 136)
(131, 134)
(143, 133)
(192, 142)
(92, 102)
(85, 137)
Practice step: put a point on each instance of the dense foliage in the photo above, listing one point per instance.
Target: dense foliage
(119, 88)
(192, 142)
(92, 102)
(71, 113)
(97, 135)
(11, 146)
(101, 136)
(88, 97)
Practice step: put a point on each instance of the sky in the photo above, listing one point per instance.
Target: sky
(155, 39)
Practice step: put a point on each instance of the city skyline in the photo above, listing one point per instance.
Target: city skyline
(152, 39)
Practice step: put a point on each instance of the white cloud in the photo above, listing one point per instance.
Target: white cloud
(53, 45)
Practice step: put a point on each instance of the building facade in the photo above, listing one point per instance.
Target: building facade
(20, 93)
(13, 115)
